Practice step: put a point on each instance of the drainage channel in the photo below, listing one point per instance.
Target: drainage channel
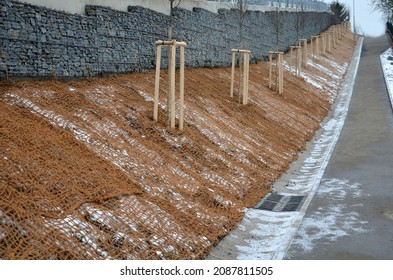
(281, 203)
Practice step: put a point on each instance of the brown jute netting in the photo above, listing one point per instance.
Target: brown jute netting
(87, 174)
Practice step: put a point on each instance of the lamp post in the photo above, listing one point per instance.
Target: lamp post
(354, 22)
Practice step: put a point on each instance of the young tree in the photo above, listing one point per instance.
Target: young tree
(240, 8)
(300, 19)
(173, 4)
(277, 20)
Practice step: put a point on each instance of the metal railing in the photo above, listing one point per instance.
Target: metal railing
(294, 4)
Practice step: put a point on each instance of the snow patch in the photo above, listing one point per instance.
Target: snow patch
(268, 234)
(334, 218)
(387, 67)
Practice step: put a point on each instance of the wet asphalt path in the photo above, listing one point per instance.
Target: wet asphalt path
(351, 215)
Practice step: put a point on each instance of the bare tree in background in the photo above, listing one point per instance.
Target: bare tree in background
(240, 8)
(173, 5)
(386, 6)
(277, 20)
(300, 19)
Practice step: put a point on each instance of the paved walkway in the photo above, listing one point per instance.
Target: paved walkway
(351, 214)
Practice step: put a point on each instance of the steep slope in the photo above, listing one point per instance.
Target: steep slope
(87, 174)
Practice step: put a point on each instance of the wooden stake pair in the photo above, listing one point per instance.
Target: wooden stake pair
(348, 26)
(279, 71)
(334, 32)
(172, 87)
(340, 31)
(315, 47)
(298, 59)
(329, 42)
(303, 44)
(324, 43)
(246, 69)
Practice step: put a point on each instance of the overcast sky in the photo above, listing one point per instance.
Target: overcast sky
(368, 21)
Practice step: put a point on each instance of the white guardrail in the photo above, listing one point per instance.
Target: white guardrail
(294, 4)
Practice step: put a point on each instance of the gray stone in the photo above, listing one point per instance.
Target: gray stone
(13, 33)
(105, 38)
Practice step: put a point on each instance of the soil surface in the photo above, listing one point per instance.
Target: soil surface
(87, 174)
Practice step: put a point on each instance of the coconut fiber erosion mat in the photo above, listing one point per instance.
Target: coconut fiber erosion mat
(87, 174)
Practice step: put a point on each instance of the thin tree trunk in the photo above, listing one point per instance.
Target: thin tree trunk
(240, 63)
(168, 96)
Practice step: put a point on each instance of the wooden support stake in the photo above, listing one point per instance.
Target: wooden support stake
(314, 46)
(298, 60)
(291, 60)
(172, 85)
(303, 44)
(248, 74)
(270, 69)
(241, 77)
(246, 77)
(281, 73)
(278, 73)
(297, 52)
(324, 44)
(329, 42)
(333, 39)
(232, 73)
(181, 108)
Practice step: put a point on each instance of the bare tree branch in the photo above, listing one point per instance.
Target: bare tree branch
(386, 6)
(172, 6)
(241, 8)
(300, 20)
(277, 20)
